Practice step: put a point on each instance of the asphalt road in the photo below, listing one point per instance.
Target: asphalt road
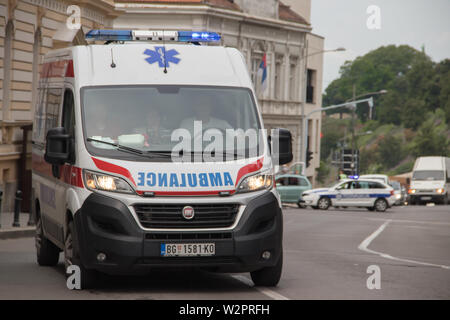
(327, 254)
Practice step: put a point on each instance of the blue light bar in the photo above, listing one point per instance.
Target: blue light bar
(198, 36)
(355, 177)
(107, 35)
(152, 35)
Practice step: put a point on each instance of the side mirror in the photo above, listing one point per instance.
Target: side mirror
(281, 140)
(57, 149)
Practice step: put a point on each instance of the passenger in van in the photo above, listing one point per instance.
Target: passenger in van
(202, 110)
(100, 127)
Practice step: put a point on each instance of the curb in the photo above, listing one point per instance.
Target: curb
(19, 233)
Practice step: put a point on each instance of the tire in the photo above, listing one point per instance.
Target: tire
(371, 208)
(88, 277)
(315, 207)
(324, 203)
(268, 276)
(47, 253)
(380, 205)
(301, 205)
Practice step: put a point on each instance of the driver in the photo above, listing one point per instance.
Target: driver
(202, 110)
(152, 129)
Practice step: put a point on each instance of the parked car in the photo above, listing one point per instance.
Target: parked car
(381, 177)
(399, 193)
(291, 186)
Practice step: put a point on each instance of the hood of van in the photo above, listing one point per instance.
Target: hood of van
(188, 178)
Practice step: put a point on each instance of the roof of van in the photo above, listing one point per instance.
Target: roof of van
(429, 163)
(144, 63)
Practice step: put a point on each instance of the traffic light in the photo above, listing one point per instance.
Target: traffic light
(309, 156)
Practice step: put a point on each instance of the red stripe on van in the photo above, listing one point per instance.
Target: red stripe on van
(69, 174)
(57, 69)
(109, 167)
(252, 167)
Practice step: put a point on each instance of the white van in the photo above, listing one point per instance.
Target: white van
(116, 185)
(430, 180)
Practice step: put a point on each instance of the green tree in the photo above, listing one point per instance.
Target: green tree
(390, 151)
(413, 113)
(431, 139)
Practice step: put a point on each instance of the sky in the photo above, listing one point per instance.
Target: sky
(343, 23)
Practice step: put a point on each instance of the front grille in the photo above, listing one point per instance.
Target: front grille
(167, 216)
(188, 236)
(425, 190)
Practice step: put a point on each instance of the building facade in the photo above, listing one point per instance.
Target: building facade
(30, 28)
(255, 27)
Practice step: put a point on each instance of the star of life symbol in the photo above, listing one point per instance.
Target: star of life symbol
(158, 55)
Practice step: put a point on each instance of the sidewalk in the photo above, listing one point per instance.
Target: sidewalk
(7, 231)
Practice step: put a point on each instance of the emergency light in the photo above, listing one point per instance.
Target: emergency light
(355, 177)
(152, 35)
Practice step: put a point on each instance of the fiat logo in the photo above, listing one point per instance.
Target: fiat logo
(188, 212)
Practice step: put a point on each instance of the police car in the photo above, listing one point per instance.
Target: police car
(355, 192)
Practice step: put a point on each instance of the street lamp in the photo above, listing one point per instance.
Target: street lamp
(375, 93)
(383, 91)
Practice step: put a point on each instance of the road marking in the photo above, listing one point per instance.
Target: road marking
(364, 247)
(412, 221)
(264, 290)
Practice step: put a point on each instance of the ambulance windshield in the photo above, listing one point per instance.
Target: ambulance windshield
(219, 121)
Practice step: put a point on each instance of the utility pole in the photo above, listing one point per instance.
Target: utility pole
(353, 131)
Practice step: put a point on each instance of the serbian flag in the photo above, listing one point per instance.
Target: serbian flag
(262, 73)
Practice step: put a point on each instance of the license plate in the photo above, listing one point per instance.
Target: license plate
(425, 198)
(187, 249)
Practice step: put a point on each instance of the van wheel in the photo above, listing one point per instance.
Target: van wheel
(324, 203)
(371, 208)
(380, 205)
(46, 252)
(268, 276)
(72, 257)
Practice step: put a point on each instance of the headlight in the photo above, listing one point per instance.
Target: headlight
(103, 182)
(440, 190)
(412, 191)
(256, 182)
(398, 196)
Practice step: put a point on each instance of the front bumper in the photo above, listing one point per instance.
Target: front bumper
(427, 197)
(106, 225)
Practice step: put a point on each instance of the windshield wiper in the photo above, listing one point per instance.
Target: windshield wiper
(235, 155)
(129, 149)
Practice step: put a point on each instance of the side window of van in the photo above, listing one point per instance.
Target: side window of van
(39, 117)
(68, 116)
(68, 120)
(47, 112)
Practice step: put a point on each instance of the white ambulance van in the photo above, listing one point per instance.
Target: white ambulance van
(118, 187)
(430, 180)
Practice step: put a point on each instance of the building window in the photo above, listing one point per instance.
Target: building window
(7, 57)
(310, 86)
(278, 77)
(293, 91)
(255, 63)
(36, 61)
